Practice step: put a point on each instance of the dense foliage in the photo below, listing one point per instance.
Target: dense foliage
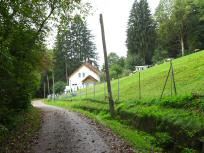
(73, 47)
(175, 30)
(180, 26)
(141, 33)
(23, 27)
(116, 66)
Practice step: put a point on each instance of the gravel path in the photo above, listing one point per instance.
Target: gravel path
(64, 131)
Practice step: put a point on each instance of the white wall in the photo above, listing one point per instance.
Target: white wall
(75, 79)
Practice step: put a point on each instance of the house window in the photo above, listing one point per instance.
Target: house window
(83, 75)
(79, 75)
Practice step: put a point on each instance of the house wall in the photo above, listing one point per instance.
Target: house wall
(76, 82)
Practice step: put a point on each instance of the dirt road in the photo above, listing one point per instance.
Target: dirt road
(64, 131)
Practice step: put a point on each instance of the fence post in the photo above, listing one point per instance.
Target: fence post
(165, 82)
(86, 90)
(174, 83)
(118, 88)
(80, 92)
(171, 85)
(94, 90)
(139, 87)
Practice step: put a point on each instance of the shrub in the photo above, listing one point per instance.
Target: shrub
(59, 87)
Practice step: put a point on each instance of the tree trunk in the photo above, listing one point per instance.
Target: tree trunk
(48, 85)
(182, 46)
(66, 74)
(53, 85)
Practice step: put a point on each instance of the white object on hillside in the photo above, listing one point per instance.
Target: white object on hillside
(141, 68)
(87, 74)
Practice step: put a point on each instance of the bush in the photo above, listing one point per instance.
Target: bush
(59, 87)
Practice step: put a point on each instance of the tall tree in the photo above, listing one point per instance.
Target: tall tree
(141, 32)
(73, 47)
(180, 26)
(23, 27)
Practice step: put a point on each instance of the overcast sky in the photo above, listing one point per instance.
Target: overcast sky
(115, 16)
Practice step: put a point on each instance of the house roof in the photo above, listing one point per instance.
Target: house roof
(89, 77)
(89, 66)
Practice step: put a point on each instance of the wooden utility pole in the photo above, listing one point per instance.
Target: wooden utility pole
(110, 98)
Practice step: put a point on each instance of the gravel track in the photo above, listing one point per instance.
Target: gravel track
(64, 131)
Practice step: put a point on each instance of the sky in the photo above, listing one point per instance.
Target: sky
(115, 17)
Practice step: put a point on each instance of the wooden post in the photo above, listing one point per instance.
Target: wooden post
(174, 83)
(171, 85)
(94, 90)
(86, 90)
(111, 102)
(53, 85)
(118, 88)
(139, 87)
(165, 82)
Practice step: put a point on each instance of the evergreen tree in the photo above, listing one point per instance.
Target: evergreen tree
(73, 47)
(141, 32)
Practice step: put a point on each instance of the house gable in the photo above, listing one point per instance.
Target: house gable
(76, 79)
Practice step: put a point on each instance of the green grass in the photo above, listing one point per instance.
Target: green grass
(176, 123)
(17, 138)
(189, 72)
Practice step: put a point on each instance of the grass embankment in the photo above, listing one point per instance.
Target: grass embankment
(16, 136)
(175, 124)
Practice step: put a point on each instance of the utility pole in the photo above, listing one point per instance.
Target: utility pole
(139, 86)
(111, 102)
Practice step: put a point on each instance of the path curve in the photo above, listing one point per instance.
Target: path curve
(64, 131)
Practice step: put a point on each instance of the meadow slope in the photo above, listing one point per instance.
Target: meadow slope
(173, 124)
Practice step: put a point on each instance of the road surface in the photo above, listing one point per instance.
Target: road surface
(63, 131)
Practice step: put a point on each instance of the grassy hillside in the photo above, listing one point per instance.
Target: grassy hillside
(175, 124)
(189, 77)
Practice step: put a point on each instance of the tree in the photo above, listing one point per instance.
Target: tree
(141, 32)
(59, 87)
(180, 26)
(116, 65)
(23, 27)
(113, 58)
(73, 47)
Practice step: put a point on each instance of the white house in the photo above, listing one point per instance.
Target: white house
(87, 74)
